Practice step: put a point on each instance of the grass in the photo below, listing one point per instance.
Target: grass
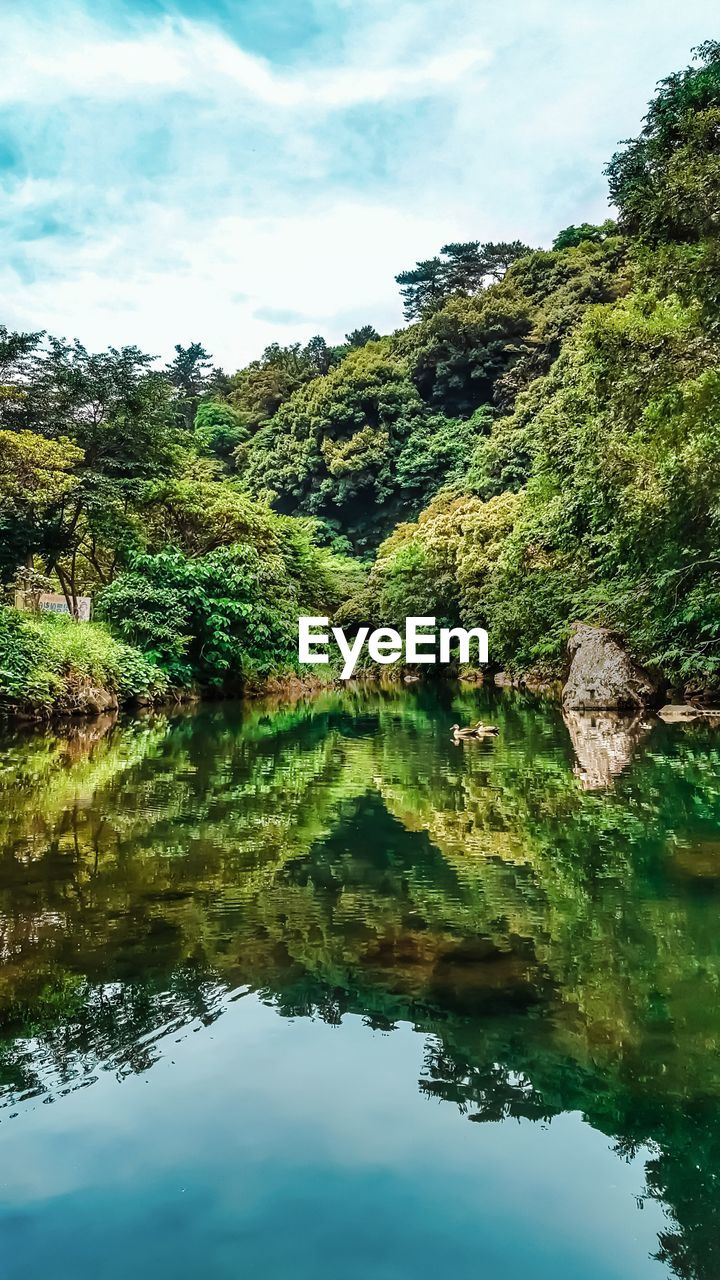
(49, 662)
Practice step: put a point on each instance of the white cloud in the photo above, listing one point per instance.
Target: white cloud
(298, 264)
(172, 185)
(193, 58)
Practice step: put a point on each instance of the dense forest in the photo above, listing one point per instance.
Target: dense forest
(540, 443)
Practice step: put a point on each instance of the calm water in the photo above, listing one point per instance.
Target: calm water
(306, 990)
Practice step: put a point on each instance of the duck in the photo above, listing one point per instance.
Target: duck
(459, 733)
(486, 730)
(478, 730)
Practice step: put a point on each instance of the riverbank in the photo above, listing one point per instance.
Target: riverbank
(52, 668)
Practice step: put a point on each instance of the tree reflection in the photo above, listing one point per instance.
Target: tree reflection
(556, 945)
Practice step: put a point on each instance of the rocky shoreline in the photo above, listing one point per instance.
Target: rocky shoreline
(601, 677)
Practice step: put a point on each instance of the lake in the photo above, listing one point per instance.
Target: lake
(305, 989)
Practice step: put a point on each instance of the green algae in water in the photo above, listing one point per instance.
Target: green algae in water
(310, 990)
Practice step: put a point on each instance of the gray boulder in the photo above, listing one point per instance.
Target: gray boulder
(504, 681)
(603, 676)
(89, 701)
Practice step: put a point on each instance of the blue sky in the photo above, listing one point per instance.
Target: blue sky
(245, 171)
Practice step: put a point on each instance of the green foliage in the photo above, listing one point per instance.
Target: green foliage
(199, 510)
(458, 354)
(26, 671)
(216, 618)
(370, 442)
(226, 613)
(258, 391)
(423, 288)
(27, 465)
(193, 376)
(360, 337)
(219, 429)
(572, 236)
(497, 257)
(439, 450)
(89, 653)
(110, 491)
(596, 492)
(114, 409)
(623, 491)
(356, 447)
(666, 182)
(618, 450)
(45, 661)
(462, 269)
(35, 472)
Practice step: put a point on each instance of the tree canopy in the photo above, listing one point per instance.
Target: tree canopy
(540, 443)
(462, 268)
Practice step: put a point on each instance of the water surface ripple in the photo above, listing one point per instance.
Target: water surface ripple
(305, 989)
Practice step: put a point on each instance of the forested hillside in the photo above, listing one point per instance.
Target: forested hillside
(540, 443)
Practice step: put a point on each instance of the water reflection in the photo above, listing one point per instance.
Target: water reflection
(604, 743)
(542, 907)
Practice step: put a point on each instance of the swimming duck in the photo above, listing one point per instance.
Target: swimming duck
(478, 730)
(486, 730)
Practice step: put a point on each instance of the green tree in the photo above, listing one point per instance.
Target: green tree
(360, 337)
(219, 429)
(422, 288)
(193, 375)
(666, 182)
(458, 353)
(114, 410)
(258, 390)
(462, 269)
(357, 448)
(572, 236)
(35, 472)
(227, 616)
(497, 257)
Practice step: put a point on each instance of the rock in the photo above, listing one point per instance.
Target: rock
(675, 714)
(699, 695)
(685, 713)
(95, 702)
(503, 680)
(540, 684)
(603, 676)
(604, 744)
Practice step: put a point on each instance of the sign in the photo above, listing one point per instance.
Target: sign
(51, 602)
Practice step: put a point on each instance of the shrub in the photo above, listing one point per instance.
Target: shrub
(44, 659)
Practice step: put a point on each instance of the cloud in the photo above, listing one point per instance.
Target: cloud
(248, 282)
(166, 179)
(192, 58)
